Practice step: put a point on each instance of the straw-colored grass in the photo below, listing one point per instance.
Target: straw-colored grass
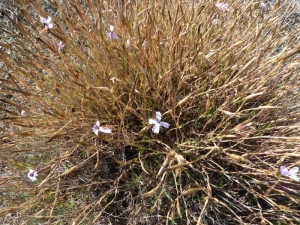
(228, 90)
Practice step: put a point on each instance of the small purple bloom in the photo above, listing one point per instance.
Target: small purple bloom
(292, 173)
(111, 34)
(97, 128)
(32, 175)
(157, 123)
(47, 22)
(222, 6)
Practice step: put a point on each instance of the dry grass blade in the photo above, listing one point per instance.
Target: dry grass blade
(154, 190)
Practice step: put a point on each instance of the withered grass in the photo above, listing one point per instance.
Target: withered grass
(229, 90)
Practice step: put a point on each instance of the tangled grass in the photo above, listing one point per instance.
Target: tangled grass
(226, 81)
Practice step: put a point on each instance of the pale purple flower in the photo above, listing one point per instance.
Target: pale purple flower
(97, 128)
(111, 34)
(32, 175)
(292, 173)
(60, 45)
(157, 123)
(222, 6)
(23, 113)
(47, 22)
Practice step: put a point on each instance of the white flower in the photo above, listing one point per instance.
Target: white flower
(32, 175)
(47, 22)
(157, 123)
(60, 45)
(292, 173)
(97, 128)
(222, 6)
(23, 113)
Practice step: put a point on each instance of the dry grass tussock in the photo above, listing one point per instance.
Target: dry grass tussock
(225, 81)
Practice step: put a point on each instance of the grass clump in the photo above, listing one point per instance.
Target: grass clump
(225, 81)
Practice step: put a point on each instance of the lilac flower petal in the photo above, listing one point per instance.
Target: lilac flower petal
(95, 130)
(158, 116)
(290, 173)
(105, 130)
(48, 20)
(50, 25)
(98, 123)
(164, 124)
(96, 127)
(43, 19)
(282, 168)
(155, 128)
(60, 44)
(114, 36)
(32, 178)
(294, 177)
(153, 121)
(294, 170)
(284, 171)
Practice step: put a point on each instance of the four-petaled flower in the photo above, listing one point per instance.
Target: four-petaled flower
(222, 6)
(111, 34)
(97, 128)
(32, 175)
(47, 22)
(292, 173)
(157, 123)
